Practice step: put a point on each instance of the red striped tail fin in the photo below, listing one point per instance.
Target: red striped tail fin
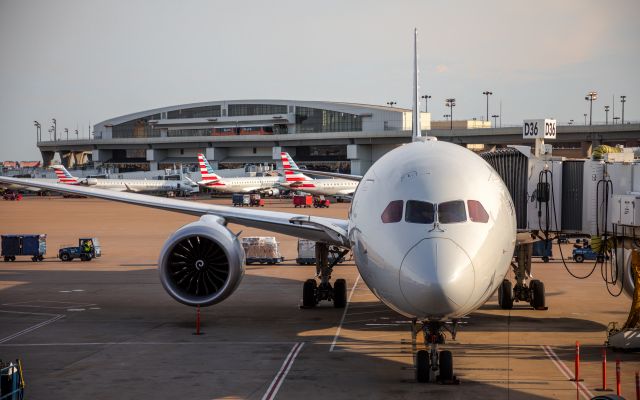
(287, 164)
(205, 169)
(64, 176)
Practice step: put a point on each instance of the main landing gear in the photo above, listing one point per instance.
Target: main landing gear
(533, 293)
(312, 292)
(432, 365)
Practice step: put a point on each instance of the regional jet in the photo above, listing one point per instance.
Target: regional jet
(126, 185)
(432, 228)
(254, 184)
(297, 180)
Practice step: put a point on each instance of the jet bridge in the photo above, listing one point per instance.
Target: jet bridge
(598, 197)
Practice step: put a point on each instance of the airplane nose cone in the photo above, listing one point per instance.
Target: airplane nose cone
(436, 277)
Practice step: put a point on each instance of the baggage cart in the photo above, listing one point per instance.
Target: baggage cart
(240, 200)
(255, 200)
(261, 249)
(302, 201)
(320, 202)
(543, 249)
(307, 253)
(24, 245)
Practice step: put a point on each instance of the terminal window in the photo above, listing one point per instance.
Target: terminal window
(311, 120)
(236, 110)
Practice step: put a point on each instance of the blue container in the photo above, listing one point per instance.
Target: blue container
(24, 245)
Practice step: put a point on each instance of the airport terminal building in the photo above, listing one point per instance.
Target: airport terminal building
(234, 133)
(319, 134)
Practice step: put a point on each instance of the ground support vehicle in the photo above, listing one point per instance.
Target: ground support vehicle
(320, 202)
(307, 253)
(87, 249)
(543, 250)
(240, 200)
(255, 200)
(586, 253)
(302, 201)
(261, 249)
(9, 195)
(11, 380)
(24, 245)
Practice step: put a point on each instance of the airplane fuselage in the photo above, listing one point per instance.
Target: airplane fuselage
(432, 229)
(327, 187)
(242, 184)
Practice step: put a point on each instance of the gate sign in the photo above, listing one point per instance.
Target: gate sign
(539, 128)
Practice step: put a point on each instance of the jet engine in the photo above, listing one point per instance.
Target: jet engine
(202, 263)
(91, 181)
(272, 192)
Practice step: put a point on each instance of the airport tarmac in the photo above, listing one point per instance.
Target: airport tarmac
(106, 329)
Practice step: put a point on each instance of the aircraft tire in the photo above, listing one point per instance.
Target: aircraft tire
(504, 295)
(309, 293)
(340, 293)
(422, 366)
(446, 366)
(537, 294)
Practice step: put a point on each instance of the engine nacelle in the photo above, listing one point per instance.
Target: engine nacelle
(272, 192)
(92, 181)
(202, 263)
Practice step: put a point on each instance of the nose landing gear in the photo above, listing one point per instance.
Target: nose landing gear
(432, 365)
(312, 292)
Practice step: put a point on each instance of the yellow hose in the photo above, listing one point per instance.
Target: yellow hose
(599, 151)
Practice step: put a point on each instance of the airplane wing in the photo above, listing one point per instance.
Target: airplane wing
(350, 177)
(252, 189)
(329, 230)
(129, 189)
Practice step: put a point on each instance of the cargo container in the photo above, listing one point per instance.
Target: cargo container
(261, 249)
(24, 245)
(302, 201)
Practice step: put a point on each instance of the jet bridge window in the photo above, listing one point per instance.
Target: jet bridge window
(419, 212)
(477, 213)
(393, 212)
(451, 212)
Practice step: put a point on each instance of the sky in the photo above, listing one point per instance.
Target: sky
(86, 61)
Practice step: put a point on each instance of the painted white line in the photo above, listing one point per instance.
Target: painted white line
(282, 374)
(586, 393)
(344, 314)
(31, 328)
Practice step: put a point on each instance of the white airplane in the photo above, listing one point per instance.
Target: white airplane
(296, 180)
(125, 185)
(432, 228)
(62, 178)
(260, 184)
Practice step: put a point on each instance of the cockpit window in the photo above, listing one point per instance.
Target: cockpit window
(419, 212)
(477, 213)
(393, 212)
(450, 212)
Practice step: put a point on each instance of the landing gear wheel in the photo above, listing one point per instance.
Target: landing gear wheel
(446, 366)
(340, 293)
(537, 295)
(504, 295)
(309, 293)
(423, 367)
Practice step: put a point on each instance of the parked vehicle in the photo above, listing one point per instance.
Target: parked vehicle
(8, 195)
(302, 201)
(241, 200)
(24, 245)
(255, 200)
(87, 249)
(586, 253)
(261, 249)
(320, 202)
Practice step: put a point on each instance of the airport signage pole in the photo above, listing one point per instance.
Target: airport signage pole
(539, 130)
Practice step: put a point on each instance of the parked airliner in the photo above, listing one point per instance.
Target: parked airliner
(252, 184)
(126, 185)
(432, 228)
(296, 180)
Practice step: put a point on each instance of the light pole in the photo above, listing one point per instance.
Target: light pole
(606, 112)
(585, 119)
(615, 119)
(76, 134)
(591, 96)
(570, 122)
(50, 130)
(38, 130)
(450, 103)
(487, 93)
(495, 120)
(623, 99)
(55, 135)
(391, 103)
(426, 98)
(66, 130)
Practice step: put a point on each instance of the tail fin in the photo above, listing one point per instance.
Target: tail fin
(292, 176)
(415, 96)
(205, 170)
(64, 176)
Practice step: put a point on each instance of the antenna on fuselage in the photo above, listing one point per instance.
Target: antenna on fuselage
(415, 101)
